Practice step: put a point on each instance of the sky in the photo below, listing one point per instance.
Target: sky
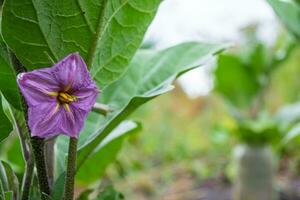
(210, 21)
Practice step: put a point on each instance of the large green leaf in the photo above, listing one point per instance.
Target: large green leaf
(8, 81)
(5, 125)
(150, 74)
(106, 33)
(289, 13)
(235, 80)
(105, 154)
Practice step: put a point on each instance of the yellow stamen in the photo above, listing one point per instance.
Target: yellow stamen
(67, 107)
(65, 98)
(53, 94)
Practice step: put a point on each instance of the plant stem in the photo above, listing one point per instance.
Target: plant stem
(71, 169)
(38, 151)
(36, 143)
(27, 179)
(50, 159)
(26, 147)
(101, 109)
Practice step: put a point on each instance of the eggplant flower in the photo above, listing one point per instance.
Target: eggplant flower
(58, 98)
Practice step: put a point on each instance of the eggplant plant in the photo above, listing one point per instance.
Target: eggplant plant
(71, 74)
(243, 79)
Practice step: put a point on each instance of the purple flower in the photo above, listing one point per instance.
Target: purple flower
(59, 98)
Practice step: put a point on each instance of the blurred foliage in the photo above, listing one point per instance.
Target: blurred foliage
(288, 12)
(258, 132)
(242, 75)
(235, 80)
(182, 140)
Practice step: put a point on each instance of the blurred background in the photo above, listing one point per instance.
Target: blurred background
(197, 139)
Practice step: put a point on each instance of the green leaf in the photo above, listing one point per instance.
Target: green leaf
(14, 154)
(8, 80)
(150, 74)
(1, 189)
(35, 192)
(289, 13)
(3, 179)
(5, 125)
(258, 58)
(293, 133)
(106, 33)
(110, 194)
(9, 195)
(258, 132)
(235, 81)
(12, 180)
(111, 145)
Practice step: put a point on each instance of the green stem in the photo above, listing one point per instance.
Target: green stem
(27, 179)
(50, 159)
(38, 151)
(36, 143)
(71, 169)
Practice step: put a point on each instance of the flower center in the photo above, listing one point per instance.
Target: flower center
(64, 97)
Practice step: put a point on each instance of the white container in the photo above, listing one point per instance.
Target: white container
(256, 170)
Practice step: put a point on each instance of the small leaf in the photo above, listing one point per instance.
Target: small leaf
(5, 125)
(13, 183)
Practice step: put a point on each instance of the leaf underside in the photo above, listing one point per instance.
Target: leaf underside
(150, 74)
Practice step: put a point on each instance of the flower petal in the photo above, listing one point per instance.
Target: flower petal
(44, 119)
(86, 97)
(38, 86)
(72, 73)
(72, 120)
